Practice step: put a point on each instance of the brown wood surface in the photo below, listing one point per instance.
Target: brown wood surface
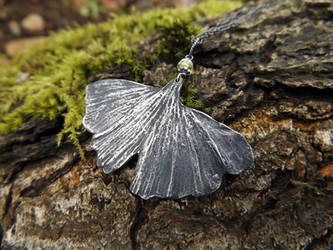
(270, 79)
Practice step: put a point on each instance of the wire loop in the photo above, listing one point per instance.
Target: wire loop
(180, 77)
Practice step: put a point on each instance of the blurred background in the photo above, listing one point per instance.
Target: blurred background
(23, 22)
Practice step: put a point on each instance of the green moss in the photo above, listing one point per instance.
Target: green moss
(232, 47)
(58, 69)
(2, 175)
(189, 98)
(174, 40)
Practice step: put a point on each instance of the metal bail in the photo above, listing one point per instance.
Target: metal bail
(180, 77)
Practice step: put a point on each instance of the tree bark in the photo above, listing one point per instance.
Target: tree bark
(271, 79)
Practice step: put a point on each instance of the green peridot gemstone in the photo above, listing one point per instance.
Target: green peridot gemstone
(185, 64)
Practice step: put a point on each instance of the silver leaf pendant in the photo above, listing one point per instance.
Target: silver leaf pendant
(182, 151)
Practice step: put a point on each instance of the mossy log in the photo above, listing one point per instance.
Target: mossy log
(271, 79)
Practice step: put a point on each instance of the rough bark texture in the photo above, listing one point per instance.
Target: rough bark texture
(270, 79)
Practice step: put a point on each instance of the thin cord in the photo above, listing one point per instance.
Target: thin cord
(240, 17)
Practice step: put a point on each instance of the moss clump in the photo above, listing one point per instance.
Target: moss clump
(175, 40)
(56, 72)
(190, 99)
(2, 175)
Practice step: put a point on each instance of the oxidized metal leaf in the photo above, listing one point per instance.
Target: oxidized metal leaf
(181, 151)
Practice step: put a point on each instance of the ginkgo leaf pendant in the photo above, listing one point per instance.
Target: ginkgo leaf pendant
(181, 151)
